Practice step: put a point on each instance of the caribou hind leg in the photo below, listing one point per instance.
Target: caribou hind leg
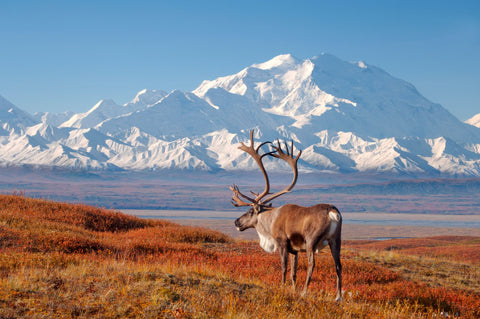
(311, 266)
(335, 245)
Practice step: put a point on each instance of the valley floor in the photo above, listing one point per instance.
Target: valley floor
(356, 226)
(349, 231)
(210, 191)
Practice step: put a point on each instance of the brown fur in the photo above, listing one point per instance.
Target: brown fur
(291, 229)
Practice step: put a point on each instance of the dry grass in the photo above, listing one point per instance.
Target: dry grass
(61, 260)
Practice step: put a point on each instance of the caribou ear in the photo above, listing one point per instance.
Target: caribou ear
(261, 208)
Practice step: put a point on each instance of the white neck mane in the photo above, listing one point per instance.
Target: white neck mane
(263, 228)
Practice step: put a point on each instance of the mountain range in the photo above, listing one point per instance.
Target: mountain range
(348, 117)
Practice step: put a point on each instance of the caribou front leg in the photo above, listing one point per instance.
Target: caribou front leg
(284, 257)
(293, 271)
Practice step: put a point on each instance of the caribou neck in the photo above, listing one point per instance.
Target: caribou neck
(264, 229)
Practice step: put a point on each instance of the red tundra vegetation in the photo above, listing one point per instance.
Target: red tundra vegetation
(64, 260)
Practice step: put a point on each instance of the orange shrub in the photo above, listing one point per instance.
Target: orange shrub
(220, 275)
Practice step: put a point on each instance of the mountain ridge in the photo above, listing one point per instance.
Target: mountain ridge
(348, 117)
(474, 120)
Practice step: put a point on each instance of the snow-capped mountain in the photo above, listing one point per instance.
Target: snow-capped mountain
(347, 117)
(13, 119)
(54, 119)
(474, 120)
(326, 93)
(107, 109)
(145, 98)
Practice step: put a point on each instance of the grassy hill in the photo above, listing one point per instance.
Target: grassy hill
(63, 260)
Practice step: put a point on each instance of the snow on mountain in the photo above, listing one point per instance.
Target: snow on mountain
(13, 119)
(178, 115)
(49, 133)
(146, 98)
(328, 93)
(45, 145)
(346, 116)
(347, 152)
(101, 111)
(283, 86)
(474, 120)
(54, 119)
(108, 109)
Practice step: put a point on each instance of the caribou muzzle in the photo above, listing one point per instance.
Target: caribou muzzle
(242, 223)
(238, 224)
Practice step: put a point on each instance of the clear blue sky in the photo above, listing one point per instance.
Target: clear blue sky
(67, 55)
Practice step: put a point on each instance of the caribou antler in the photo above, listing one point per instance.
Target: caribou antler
(291, 160)
(254, 153)
(236, 201)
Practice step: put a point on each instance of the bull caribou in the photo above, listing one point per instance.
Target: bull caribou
(290, 228)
